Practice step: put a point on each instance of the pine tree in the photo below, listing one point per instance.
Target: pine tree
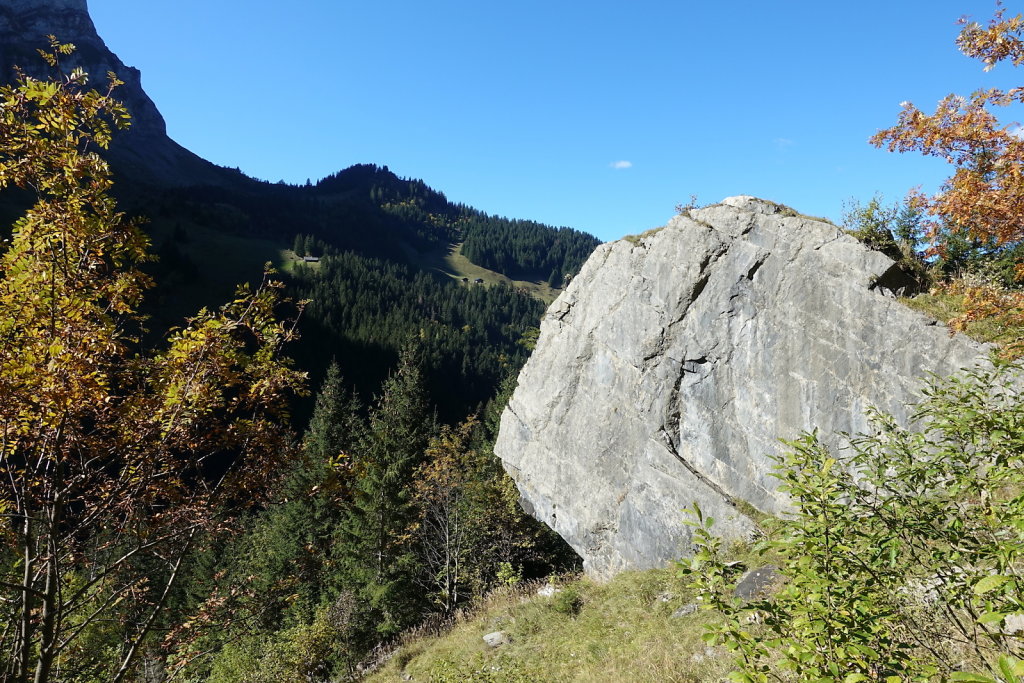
(281, 571)
(376, 537)
(336, 424)
(317, 492)
(555, 279)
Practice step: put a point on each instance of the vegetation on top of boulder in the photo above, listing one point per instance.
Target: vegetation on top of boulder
(981, 202)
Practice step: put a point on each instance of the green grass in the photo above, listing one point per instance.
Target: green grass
(636, 239)
(223, 261)
(790, 212)
(450, 261)
(944, 307)
(620, 631)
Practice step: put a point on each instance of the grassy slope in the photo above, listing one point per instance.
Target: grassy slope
(944, 307)
(223, 261)
(451, 262)
(622, 632)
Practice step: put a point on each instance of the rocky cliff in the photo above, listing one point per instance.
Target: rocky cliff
(142, 154)
(668, 370)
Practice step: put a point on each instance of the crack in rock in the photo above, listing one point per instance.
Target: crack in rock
(670, 445)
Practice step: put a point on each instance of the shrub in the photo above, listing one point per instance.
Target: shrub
(903, 557)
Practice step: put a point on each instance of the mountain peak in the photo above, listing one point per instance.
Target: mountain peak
(25, 23)
(143, 153)
(44, 5)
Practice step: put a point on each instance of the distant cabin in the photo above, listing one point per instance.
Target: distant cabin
(311, 259)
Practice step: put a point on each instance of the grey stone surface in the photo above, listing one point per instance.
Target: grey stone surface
(497, 639)
(668, 370)
(548, 590)
(705, 654)
(684, 611)
(756, 582)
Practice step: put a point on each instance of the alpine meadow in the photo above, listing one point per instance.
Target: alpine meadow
(351, 429)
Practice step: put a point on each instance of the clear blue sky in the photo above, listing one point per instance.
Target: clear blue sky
(599, 115)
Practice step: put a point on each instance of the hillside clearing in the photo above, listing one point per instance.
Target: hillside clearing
(620, 631)
(451, 262)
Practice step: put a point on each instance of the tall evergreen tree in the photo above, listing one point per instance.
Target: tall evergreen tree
(336, 424)
(281, 573)
(376, 536)
(555, 279)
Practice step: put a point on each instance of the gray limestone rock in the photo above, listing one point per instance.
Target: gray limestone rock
(684, 611)
(497, 639)
(668, 370)
(548, 590)
(756, 582)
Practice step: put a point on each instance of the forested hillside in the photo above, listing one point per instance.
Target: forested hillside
(362, 310)
(369, 210)
(525, 247)
(186, 531)
(370, 293)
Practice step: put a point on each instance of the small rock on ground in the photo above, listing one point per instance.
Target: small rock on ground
(689, 608)
(756, 582)
(497, 639)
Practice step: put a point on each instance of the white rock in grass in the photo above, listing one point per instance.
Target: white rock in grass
(497, 639)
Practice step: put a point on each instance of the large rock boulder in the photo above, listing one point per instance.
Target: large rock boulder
(668, 371)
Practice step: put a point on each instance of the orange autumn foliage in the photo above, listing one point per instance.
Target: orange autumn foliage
(984, 198)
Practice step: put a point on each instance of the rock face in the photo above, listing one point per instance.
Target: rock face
(667, 371)
(144, 153)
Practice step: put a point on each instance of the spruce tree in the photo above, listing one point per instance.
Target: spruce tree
(285, 554)
(336, 424)
(376, 536)
(555, 279)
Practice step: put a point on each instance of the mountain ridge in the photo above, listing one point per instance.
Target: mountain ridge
(144, 154)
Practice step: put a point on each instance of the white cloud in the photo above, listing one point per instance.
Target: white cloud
(1017, 132)
(783, 143)
(621, 164)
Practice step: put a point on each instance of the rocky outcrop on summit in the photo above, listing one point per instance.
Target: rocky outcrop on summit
(670, 367)
(144, 153)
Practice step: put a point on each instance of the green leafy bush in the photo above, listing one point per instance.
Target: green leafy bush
(903, 557)
(568, 600)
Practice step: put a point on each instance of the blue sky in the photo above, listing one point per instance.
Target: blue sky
(597, 115)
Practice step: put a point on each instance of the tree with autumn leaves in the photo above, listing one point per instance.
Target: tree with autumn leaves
(114, 461)
(984, 198)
